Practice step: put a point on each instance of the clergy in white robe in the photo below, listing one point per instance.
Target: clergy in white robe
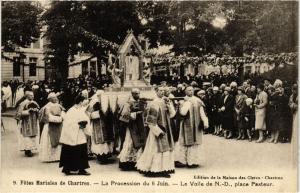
(187, 149)
(76, 127)
(132, 118)
(19, 93)
(52, 116)
(7, 97)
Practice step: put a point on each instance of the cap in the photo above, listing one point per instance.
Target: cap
(201, 92)
(223, 86)
(206, 84)
(135, 90)
(215, 88)
(227, 88)
(163, 82)
(240, 88)
(51, 95)
(233, 84)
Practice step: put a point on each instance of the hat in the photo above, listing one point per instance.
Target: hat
(206, 84)
(223, 86)
(201, 92)
(28, 92)
(233, 84)
(51, 95)
(215, 88)
(227, 88)
(135, 90)
(194, 84)
(240, 88)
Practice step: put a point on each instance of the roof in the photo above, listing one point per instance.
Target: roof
(128, 41)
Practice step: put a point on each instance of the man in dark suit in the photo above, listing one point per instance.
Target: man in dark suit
(227, 112)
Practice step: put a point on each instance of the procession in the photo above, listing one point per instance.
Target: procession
(150, 135)
(149, 90)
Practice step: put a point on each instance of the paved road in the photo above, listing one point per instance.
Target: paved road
(218, 157)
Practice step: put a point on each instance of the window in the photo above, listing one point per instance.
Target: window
(93, 69)
(16, 66)
(144, 44)
(36, 44)
(32, 66)
(85, 68)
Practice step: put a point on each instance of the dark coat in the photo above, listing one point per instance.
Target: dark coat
(227, 115)
(277, 112)
(247, 112)
(215, 102)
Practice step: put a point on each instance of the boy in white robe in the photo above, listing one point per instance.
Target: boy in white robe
(76, 127)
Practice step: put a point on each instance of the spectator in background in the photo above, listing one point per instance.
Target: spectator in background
(7, 94)
(227, 111)
(280, 112)
(247, 118)
(215, 105)
(240, 99)
(260, 104)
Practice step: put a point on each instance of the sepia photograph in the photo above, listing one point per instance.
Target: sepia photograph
(149, 96)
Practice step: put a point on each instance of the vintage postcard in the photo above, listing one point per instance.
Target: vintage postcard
(149, 96)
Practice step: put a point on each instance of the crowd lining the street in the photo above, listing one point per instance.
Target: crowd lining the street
(254, 109)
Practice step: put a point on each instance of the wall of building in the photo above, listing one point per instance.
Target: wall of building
(34, 51)
(7, 68)
(75, 71)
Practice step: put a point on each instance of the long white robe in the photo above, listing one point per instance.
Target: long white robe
(19, 94)
(7, 96)
(47, 153)
(71, 134)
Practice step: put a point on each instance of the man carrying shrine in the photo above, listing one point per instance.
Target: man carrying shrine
(132, 118)
(190, 135)
(101, 138)
(157, 159)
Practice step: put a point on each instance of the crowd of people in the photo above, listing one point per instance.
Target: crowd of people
(74, 123)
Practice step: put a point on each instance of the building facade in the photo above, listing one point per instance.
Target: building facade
(25, 64)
